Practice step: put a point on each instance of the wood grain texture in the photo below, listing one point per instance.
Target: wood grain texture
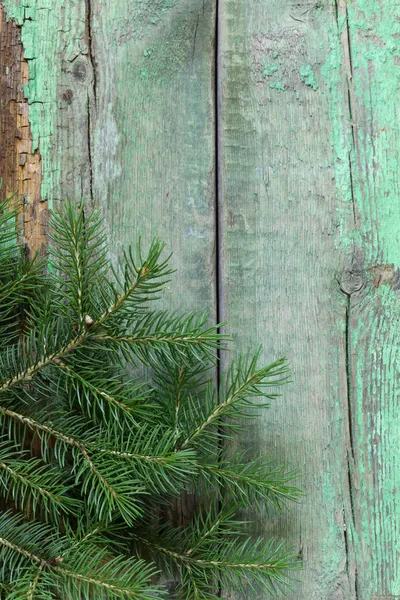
(120, 102)
(54, 35)
(309, 148)
(153, 135)
(121, 105)
(279, 264)
(20, 165)
(153, 141)
(370, 37)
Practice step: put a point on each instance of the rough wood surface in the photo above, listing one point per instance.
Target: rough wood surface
(153, 141)
(55, 40)
(279, 211)
(309, 233)
(370, 35)
(121, 106)
(153, 136)
(118, 107)
(20, 165)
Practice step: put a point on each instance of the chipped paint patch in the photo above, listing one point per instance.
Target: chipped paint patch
(269, 69)
(20, 160)
(277, 85)
(307, 76)
(40, 87)
(385, 275)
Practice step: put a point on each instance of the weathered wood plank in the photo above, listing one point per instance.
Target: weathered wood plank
(54, 36)
(153, 141)
(20, 165)
(153, 133)
(370, 35)
(310, 213)
(121, 107)
(280, 230)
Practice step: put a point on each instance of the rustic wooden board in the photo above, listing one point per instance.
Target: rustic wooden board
(373, 41)
(153, 133)
(279, 262)
(54, 37)
(153, 141)
(309, 233)
(120, 100)
(143, 147)
(121, 112)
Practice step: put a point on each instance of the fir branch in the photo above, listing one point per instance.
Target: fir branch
(36, 487)
(252, 480)
(96, 397)
(27, 374)
(160, 336)
(122, 578)
(215, 547)
(138, 279)
(33, 586)
(243, 382)
(104, 495)
(95, 454)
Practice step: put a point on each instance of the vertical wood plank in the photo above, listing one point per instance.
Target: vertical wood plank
(281, 217)
(54, 35)
(310, 213)
(370, 38)
(153, 134)
(153, 142)
(121, 109)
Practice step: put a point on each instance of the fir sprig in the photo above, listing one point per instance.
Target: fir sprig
(87, 453)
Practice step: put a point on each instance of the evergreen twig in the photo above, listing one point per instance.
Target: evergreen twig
(88, 455)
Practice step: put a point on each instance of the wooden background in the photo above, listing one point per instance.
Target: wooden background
(260, 139)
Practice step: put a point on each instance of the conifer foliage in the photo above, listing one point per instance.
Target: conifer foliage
(88, 454)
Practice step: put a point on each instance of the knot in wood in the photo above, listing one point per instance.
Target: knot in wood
(351, 281)
(79, 70)
(68, 96)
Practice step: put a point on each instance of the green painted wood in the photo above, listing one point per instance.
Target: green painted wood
(279, 239)
(310, 229)
(121, 107)
(370, 32)
(122, 112)
(153, 133)
(55, 42)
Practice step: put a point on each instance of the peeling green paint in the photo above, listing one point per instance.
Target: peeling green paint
(277, 85)
(269, 70)
(365, 140)
(41, 89)
(307, 76)
(54, 38)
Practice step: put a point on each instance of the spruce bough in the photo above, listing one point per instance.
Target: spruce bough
(89, 457)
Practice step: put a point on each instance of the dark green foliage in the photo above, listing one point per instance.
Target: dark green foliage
(90, 457)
